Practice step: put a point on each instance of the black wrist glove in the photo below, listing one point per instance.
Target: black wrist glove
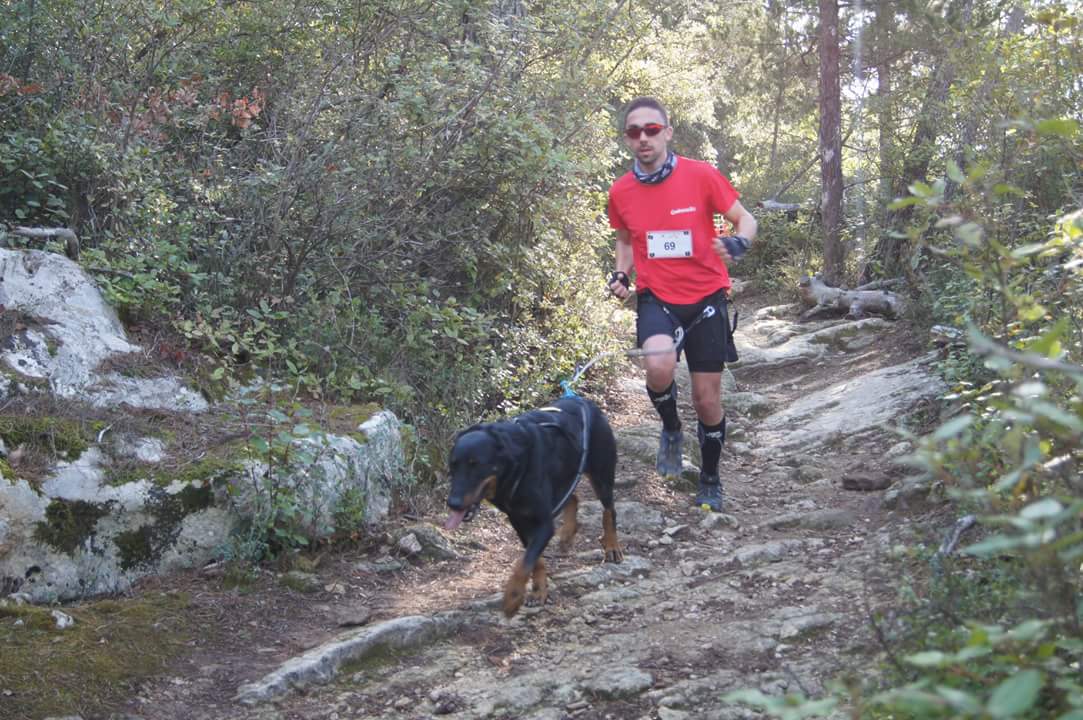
(736, 245)
(622, 277)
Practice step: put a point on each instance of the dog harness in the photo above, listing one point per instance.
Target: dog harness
(582, 454)
(472, 511)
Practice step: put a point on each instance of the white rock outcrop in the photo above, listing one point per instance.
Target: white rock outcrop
(104, 516)
(70, 332)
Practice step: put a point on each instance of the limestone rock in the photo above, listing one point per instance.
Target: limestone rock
(615, 683)
(73, 332)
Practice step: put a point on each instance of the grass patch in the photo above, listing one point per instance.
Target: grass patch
(214, 467)
(59, 437)
(38, 441)
(91, 668)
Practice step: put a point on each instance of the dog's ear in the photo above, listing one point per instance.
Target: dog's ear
(509, 443)
(470, 429)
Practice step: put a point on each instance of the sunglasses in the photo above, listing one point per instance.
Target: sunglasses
(651, 129)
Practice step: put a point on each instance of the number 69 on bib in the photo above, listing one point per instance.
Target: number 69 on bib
(669, 244)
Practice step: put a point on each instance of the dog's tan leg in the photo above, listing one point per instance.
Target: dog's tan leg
(515, 590)
(540, 582)
(569, 524)
(613, 553)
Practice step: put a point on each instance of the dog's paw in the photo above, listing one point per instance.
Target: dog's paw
(513, 600)
(538, 598)
(540, 592)
(614, 555)
(515, 590)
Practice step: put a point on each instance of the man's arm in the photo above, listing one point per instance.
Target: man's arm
(624, 261)
(744, 225)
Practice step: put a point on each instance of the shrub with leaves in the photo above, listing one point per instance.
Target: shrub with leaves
(998, 631)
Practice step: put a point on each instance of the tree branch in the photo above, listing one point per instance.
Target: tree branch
(71, 240)
(985, 347)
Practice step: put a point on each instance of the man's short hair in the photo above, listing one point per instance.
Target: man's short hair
(646, 102)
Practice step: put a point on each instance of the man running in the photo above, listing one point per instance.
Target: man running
(663, 212)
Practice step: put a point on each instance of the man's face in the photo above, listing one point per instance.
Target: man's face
(650, 151)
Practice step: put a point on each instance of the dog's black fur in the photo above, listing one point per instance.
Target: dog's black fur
(526, 466)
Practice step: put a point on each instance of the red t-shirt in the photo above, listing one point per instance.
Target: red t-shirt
(685, 201)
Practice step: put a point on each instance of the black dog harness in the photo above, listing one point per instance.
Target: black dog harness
(472, 511)
(582, 453)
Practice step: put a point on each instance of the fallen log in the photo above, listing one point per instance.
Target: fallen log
(71, 240)
(776, 205)
(824, 300)
(886, 284)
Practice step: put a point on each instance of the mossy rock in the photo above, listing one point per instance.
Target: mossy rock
(54, 437)
(33, 383)
(209, 470)
(135, 547)
(302, 582)
(32, 616)
(145, 545)
(68, 524)
(346, 419)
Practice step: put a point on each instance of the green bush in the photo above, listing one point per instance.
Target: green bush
(787, 248)
(997, 632)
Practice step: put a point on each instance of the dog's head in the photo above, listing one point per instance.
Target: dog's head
(480, 457)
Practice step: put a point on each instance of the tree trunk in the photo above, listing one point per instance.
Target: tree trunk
(778, 19)
(71, 240)
(889, 258)
(885, 15)
(831, 141)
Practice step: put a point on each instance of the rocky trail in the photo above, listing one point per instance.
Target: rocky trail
(775, 593)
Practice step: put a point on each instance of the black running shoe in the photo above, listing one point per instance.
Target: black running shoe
(669, 453)
(709, 496)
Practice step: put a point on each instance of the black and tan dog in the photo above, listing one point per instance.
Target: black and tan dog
(529, 467)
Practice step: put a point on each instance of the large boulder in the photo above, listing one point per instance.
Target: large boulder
(871, 401)
(84, 530)
(105, 505)
(59, 330)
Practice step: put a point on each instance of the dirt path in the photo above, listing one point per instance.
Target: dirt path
(773, 594)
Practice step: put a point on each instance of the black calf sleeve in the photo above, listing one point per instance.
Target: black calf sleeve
(711, 439)
(665, 403)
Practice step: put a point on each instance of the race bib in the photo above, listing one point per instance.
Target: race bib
(669, 244)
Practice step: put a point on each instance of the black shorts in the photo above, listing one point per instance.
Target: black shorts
(708, 344)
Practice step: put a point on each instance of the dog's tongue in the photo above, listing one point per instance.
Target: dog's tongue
(454, 518)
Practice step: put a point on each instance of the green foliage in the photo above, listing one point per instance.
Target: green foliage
(787, 707)
(989, 671)
(349, 515)
(272, 504)
(788, 249)
(996, 634)
(29, 191)
(1013, 452)
(363, 202)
